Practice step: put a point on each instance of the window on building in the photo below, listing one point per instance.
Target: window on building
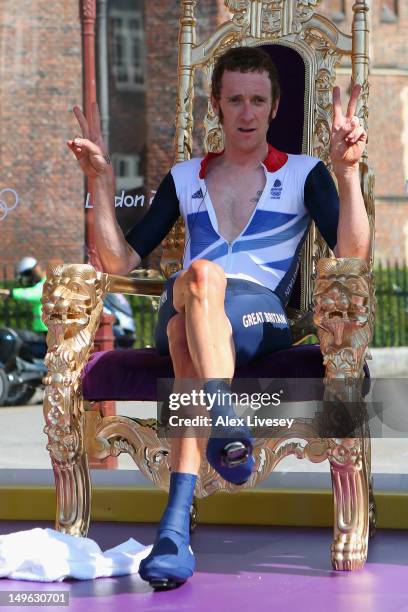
(126, 169)
(339, 12)
(128, 49)
(389, 11)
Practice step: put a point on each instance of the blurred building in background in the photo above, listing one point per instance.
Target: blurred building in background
(40, 81)
(388, 118)
(136, 44)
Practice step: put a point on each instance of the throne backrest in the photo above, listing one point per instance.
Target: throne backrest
(307, 48)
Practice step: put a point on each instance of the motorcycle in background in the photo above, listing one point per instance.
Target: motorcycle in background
(22, 366)
(22, 353)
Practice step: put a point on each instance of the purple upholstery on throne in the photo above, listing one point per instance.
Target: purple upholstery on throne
(132, 374)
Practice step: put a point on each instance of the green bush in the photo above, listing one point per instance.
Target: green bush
(14, 314)
(391, 318)
(145, 316)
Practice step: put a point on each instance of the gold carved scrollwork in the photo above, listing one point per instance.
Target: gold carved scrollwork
(362, 107)
(215, 140)
(137, 437)
(237, 6)
(304, 11)
(344, 314)
(322, 130)
(186, 121)
(72, 305)
(173, 246)
(271, 17)
(240, 10)
(214, 136)
(151, 450)
(323, 109)
(350, 470)
(367, 186)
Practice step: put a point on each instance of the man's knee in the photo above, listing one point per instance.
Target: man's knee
(205, 276)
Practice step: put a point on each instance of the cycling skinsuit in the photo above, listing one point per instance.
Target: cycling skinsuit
(261, 264)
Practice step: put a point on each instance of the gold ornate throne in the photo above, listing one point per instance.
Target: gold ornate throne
(73, 293)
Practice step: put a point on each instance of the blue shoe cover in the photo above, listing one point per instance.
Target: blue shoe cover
(170, 563)
(171, 560)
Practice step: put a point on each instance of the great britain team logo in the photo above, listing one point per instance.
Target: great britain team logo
(276, 190)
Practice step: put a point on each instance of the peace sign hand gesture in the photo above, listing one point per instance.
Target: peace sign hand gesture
(90, 150)
(348, 138)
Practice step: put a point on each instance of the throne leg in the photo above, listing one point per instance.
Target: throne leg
(69, 463)
(73, 490)
(344, 315)
(72, 306)
(350, 481)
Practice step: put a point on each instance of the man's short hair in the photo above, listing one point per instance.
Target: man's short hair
(245, 59)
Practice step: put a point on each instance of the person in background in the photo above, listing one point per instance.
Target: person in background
(31, 277)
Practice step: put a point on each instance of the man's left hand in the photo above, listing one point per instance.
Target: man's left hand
(348, 137)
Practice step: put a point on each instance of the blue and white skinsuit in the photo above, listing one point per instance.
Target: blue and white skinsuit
(261, 264)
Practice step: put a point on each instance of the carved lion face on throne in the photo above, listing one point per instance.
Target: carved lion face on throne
(71, 296)
(344, 304)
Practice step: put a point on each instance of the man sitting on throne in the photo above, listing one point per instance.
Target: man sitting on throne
(247, 212)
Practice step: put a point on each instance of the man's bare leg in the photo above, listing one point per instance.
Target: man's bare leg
(171, 560)
(201, 346)
(199, 293)
(186, 452)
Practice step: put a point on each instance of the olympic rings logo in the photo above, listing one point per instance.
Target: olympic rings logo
(5, 208)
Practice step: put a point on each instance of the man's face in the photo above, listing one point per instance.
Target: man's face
(246, 107)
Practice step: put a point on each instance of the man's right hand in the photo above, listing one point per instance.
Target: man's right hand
(90, 150)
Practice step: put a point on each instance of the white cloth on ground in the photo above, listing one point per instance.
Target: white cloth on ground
(46, 555)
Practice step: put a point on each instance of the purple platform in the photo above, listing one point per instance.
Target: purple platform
(245, 568)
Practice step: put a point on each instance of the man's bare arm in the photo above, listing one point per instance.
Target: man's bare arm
(353, 232)
(348, 140)
(116, 255)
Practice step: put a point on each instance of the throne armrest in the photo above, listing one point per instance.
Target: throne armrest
(72, 305)
(134, 285)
